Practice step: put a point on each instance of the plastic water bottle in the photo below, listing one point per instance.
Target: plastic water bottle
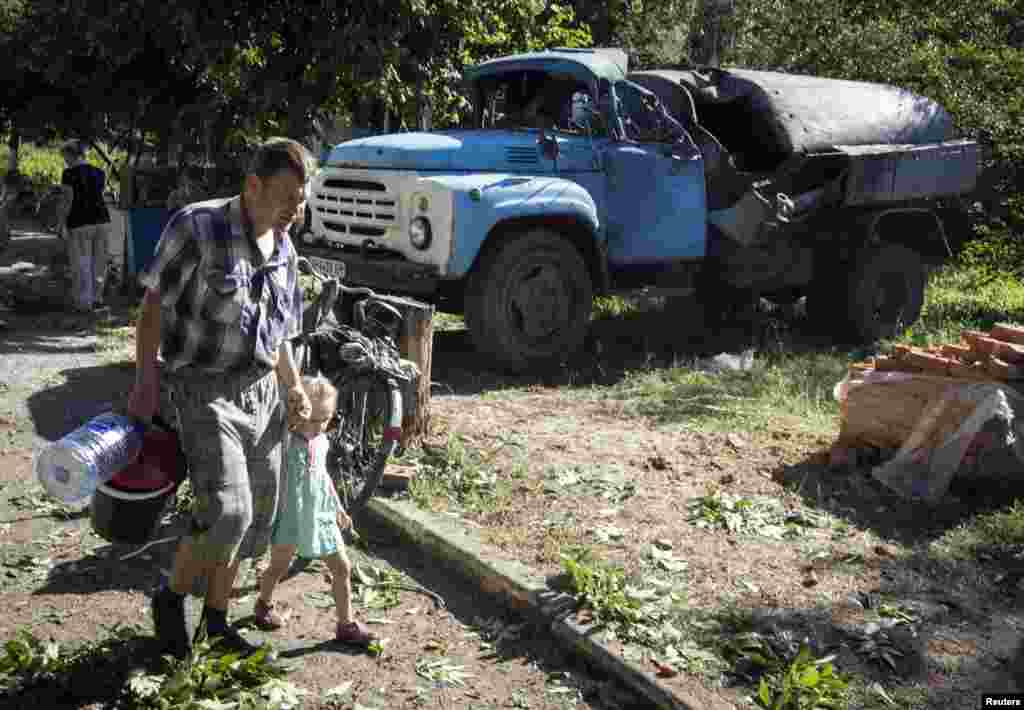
(72, 467)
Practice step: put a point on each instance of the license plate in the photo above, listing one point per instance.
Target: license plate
(328, 267)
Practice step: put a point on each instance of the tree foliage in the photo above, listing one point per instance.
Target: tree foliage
(968, 56)
(139, 73)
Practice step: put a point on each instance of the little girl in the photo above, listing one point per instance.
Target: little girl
(311, 517)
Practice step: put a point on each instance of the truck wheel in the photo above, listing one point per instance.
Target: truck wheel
(885, 291)
(529, 301)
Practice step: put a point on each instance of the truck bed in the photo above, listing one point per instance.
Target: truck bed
(900, 173)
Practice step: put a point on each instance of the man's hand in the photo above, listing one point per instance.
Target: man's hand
(299, 407)
(344, 521)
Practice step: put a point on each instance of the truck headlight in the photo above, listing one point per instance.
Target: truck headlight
(419, 233)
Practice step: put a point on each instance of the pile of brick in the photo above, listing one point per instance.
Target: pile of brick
(996, 355)
(913, 396)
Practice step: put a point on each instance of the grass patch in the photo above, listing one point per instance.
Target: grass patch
(448, 321)
(646, 612)
(116, 340)
(110, 669)
(802, 682)
(215, 679)
(1002, 528)
(613, 307)
(873, 696)
(456, 476)
(763, 516)
(960, 297)
(791, 386)
(789, 389)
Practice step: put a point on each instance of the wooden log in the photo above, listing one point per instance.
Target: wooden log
(416, 344)
(1008, 332)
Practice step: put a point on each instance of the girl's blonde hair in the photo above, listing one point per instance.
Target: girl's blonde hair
(318, 388)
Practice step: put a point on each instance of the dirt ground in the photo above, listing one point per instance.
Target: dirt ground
(580, 471)
(61, 582)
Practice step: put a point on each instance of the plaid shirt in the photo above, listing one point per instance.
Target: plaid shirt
(223, 306)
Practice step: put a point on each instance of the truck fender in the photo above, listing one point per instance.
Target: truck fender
(907, 226)
(500, 207)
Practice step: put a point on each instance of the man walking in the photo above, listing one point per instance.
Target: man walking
(222, 302)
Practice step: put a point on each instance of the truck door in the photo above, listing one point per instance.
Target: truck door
(655, 198)
(582, 138)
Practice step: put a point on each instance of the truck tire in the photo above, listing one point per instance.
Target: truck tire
(529, 301)
(884, 293)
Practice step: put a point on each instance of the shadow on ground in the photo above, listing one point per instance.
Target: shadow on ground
(971, 598)
(97, 675)
(465, 601)
(86, 392)
(657, 337)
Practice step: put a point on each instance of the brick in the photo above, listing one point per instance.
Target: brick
(959, 352)
(891, 363)
(980, 342)
(1008, 332)
(901, 351)
(976, 370)
(990, 346)
(933, 364)
(1003, 370)
(1010, 352)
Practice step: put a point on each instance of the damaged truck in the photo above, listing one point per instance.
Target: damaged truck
(572, 177)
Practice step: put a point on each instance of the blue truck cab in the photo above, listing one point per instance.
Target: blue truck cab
(571, 177)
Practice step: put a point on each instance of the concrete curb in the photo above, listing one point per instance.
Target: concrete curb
(518, 588)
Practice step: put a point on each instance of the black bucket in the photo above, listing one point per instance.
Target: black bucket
(127, 508)
(129, 517)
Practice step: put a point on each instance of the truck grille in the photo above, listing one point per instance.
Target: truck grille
(362, 208)
(521, 155)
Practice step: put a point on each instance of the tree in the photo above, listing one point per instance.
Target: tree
(968, 56)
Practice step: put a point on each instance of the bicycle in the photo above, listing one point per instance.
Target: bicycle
(350, 336)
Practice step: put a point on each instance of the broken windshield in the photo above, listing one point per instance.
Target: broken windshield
(644, 118)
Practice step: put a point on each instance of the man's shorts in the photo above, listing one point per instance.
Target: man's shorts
(232, 427)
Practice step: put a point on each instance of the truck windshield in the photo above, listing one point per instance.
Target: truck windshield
(530, 100)
(644, 118)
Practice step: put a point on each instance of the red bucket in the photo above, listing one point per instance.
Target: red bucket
(127, 508)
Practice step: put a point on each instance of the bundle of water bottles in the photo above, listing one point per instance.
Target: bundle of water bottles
(127, 470)
(107, 448)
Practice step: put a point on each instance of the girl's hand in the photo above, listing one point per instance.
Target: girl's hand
(344, 521)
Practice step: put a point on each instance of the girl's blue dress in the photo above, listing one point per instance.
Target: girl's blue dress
(309, 507)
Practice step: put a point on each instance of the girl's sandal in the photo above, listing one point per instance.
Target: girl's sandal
(355, 634)
(266, 616)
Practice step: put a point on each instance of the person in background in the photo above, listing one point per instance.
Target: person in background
(312, 518)
(222, 304)
(86, 219)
